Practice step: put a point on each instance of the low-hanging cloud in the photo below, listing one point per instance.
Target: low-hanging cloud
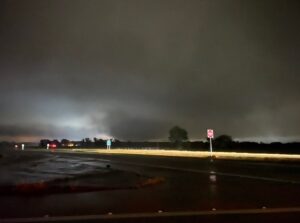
(133, 69)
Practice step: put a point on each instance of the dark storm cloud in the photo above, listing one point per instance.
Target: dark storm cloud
(132, 69)
(136, 127)
(39, 131)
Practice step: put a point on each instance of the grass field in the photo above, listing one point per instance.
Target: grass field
(199, 154)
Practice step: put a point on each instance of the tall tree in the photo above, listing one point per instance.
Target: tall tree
(178, 135)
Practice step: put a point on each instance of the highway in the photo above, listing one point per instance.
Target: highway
(189, 185)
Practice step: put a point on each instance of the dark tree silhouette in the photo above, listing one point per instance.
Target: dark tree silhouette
(178, 135)
(87, 142)
(99, 142)
(223, 142)
(65, 142)
(44, 142)
(56, 142)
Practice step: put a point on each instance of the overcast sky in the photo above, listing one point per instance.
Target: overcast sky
(132, 69)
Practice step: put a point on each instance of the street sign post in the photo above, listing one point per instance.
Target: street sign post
(210, 135)
(108, 144)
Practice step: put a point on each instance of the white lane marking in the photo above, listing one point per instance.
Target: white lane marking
(152, 215)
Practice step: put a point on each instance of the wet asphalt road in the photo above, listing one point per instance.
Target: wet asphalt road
(191, 184)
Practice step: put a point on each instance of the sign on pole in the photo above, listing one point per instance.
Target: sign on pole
(210, 135)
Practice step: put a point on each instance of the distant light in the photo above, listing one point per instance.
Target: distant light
(53, 146)
(213, 178)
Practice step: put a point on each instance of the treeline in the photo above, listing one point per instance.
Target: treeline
(221, 143)
(178, 139)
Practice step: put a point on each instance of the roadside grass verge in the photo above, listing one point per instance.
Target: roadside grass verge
(196, 154)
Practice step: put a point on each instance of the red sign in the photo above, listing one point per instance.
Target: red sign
(210, 133)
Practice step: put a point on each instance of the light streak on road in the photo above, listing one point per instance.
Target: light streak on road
(201, 154)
